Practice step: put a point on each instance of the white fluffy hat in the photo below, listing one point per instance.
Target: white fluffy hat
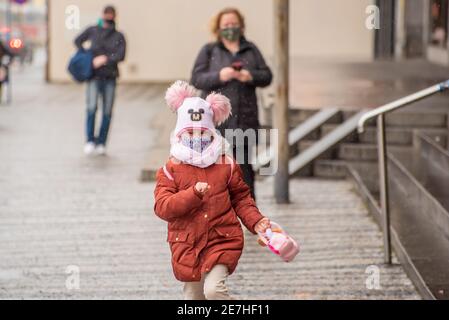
(193, 111)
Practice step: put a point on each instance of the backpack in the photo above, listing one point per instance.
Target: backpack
(80, 65)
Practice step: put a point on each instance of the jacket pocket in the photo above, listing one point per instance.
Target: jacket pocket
(182, 248)
(229, 231)
(179, 236)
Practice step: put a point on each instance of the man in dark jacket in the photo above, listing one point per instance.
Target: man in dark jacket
(108, 47)
(250, 72)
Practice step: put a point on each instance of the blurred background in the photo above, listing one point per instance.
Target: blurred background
(417, 29)
(164, 37)
(23, 28)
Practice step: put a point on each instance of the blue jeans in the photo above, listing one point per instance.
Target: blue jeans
(106, 89)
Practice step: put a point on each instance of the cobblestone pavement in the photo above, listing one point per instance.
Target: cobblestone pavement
(59, 208)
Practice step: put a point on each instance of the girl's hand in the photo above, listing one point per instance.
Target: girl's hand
(202, 187)
(262, 225)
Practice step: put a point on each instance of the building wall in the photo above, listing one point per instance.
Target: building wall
(165, 36)
(332, 29)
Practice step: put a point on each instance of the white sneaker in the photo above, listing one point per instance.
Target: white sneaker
(101, 150)
(89, 148)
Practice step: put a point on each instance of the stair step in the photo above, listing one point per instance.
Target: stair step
(395, 135)
(398, 135)
(419, 244)
(410, 119)
(307, 129)
(305, 144)
(332, 169)
(324, 144)
(313, 135)
(327, 128)
(307, 171)
(414, 119)
(336, 169)
(364, 152)
(297, 116)
(422, 225)
(350, 151)
(401, 118)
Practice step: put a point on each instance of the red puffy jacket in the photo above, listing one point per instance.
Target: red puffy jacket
(204, 230)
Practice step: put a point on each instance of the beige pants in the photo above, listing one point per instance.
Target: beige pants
(212, 286)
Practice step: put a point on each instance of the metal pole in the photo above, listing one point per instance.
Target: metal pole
(383, 185)
(280, 112)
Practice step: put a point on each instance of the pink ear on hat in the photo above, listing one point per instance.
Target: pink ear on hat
(177, 93)
(220, 105)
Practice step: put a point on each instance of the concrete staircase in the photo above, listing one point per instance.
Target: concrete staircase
(360, 150)
(419, 212)
(418, 164)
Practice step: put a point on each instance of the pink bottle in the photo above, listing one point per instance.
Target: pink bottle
(279, 242)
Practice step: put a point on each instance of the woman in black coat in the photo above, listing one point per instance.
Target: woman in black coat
(234, 67)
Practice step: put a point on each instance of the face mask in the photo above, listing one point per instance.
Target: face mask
(231, 34)
(110, 22)
(196, 142)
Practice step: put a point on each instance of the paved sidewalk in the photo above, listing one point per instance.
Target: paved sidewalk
(59, 209)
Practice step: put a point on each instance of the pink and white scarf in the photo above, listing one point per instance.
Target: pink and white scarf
(209, 156)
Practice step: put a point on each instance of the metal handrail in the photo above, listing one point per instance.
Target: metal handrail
(401, 103)
(382, 152)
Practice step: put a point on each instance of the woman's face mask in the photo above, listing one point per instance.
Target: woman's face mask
(231, 34)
